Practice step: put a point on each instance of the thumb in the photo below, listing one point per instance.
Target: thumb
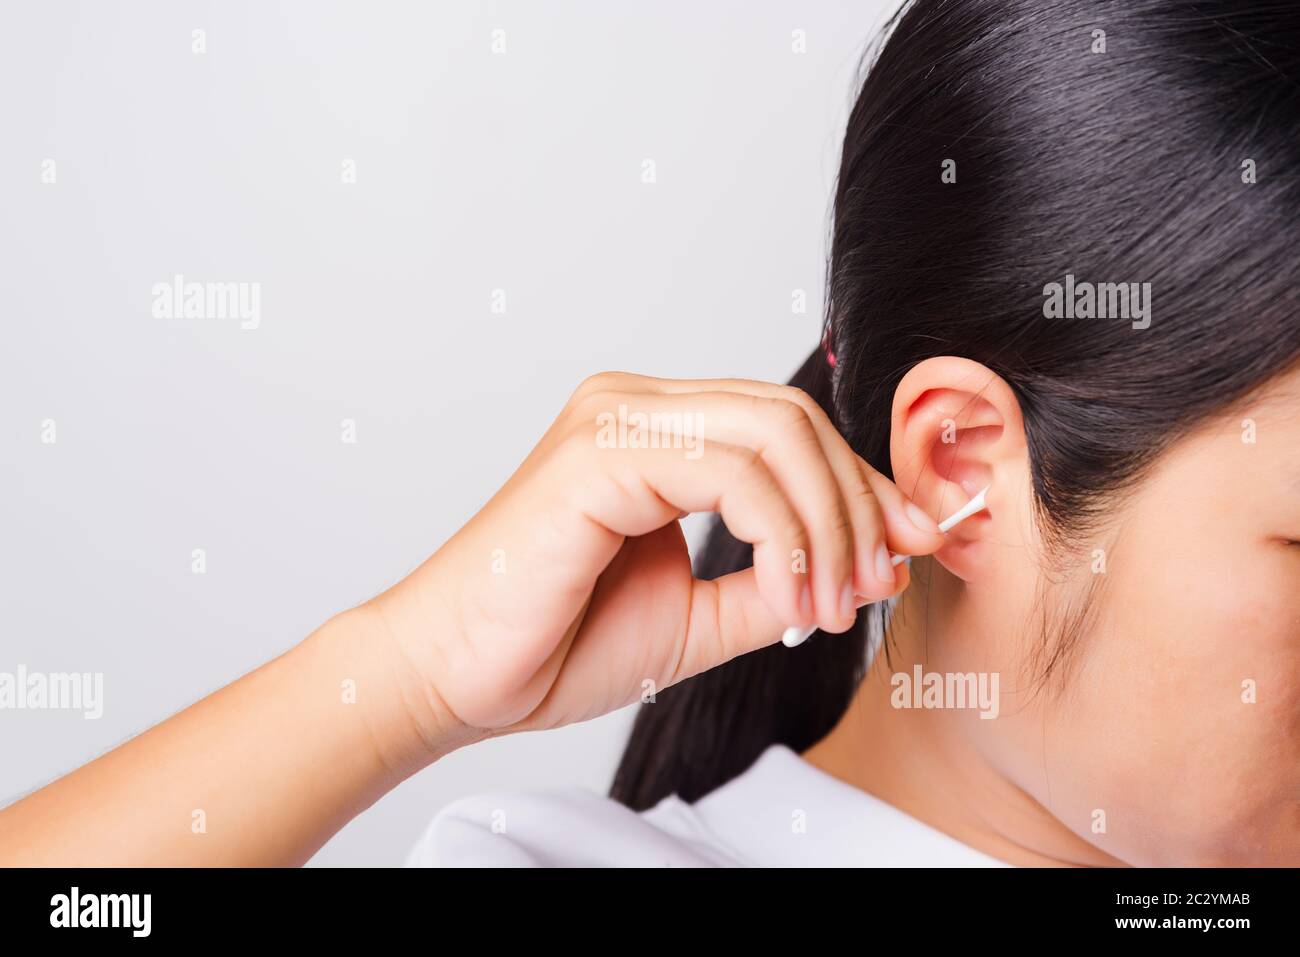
(728, 618)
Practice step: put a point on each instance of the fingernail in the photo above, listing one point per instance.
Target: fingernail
(847, 604)
(795, 636)
(917, 516)
(805, 602)
(884, 568)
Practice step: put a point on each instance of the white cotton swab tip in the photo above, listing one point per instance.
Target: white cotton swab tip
(795, 636)
(976, 504)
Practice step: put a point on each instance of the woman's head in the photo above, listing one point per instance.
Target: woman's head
(1063, 262)
(1149, 664)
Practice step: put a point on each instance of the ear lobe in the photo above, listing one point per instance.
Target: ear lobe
(956, 429)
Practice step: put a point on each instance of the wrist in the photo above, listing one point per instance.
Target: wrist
(404, 718)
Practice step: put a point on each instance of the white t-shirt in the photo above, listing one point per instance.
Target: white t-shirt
(782, 812)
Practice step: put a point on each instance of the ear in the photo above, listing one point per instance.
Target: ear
(956, 428)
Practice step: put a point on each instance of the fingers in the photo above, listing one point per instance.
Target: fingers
(729, 617)
(640, 489)
(908, 529)
(784, 439)
(853, 516)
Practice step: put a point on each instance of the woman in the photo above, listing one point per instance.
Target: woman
(1063, 268)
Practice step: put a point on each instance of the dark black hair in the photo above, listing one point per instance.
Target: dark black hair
(1149, 141)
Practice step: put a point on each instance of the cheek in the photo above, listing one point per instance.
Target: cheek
(1193, 683)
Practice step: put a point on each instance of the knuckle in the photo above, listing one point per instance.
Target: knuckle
(745, 464)
(795, 395)
(791, 419)
(587, 409)
(795, 535)
(811, 407)
(868, 521)
(836, 528)
(597, 382)
(861, 497)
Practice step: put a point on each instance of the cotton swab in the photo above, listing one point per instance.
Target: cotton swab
(796, 636)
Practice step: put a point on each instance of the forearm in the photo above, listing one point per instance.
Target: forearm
(262, 772)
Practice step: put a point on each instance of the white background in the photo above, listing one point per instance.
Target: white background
(475, 171)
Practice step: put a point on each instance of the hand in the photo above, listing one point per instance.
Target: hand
(570, 594)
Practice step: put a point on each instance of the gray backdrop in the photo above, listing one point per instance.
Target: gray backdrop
(489, 168)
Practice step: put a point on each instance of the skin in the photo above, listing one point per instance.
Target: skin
(556, 603)
(1145, 720)
(524, 620)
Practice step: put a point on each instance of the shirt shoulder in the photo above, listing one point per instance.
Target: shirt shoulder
(781, 812)
(570, 827)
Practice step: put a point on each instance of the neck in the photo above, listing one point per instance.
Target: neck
(936, 764)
